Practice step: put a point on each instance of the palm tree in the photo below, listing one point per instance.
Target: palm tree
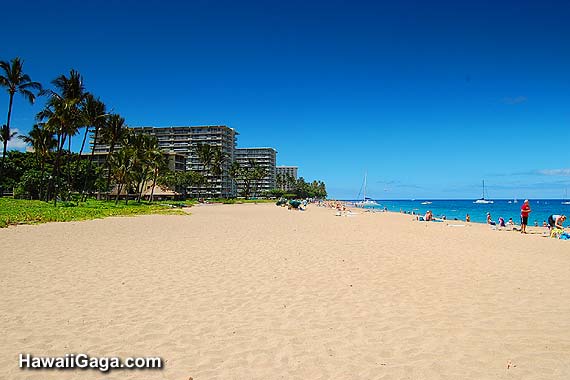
(156, 162)
(95, 115)
(290, 182)
(63, 115)
(279, 181)
(193, 178)
(15, 81)
(113, 131)
(218, 160)
(5, 137)
(258, 173)
(142, 146)
(205, 154)
(248, 174)
(43, 142)
(121, 164)
(73, 93)
(235, 172)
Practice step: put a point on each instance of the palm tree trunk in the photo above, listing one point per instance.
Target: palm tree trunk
(111, 148)
(84, 198)
(52, 178)
(42, 170)
(69, 164)
(84, 139)
(6, 141)
(140, 186)
(55, 173)
(79, 160)
(151, 198)
(119, 188)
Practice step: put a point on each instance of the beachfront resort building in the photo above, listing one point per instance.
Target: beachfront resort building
(286, 177)
(264, 158)
(184, 141)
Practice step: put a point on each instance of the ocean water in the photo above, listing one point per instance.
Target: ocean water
(458, 209)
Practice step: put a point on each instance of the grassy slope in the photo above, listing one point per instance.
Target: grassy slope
(19, 211)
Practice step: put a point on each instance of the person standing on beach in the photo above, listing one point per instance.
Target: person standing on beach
(525, 211)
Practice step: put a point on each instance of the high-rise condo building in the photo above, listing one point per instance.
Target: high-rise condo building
(185, 141)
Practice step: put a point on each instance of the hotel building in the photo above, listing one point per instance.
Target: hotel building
(183, 141)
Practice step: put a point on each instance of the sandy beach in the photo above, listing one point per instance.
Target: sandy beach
(260, 292)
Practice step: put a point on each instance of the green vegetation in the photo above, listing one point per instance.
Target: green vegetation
(298, 188)
(20, 211)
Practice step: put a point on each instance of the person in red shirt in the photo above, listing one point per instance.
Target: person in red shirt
(525, 210)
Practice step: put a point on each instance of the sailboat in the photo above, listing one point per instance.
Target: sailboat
(565, 201)
(482, 200)
(366, 202)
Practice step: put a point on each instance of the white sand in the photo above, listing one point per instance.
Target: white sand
(259, 292)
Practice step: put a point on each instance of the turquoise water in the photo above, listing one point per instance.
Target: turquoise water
(457, 209)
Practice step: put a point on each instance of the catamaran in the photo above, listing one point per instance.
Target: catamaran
(565, 201)
(366, 202)
(482, 200)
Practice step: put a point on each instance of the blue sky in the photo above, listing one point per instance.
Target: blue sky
(428, 97)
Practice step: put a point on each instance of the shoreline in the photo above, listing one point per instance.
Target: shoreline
(532, 230)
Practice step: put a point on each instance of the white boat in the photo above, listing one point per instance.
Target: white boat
(366, 202)
(426, 203)
(565, 201)
(482, 200)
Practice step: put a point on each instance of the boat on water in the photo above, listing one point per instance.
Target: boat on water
(482, 200)
(427, 203)
(565, 200)
(366, 202)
